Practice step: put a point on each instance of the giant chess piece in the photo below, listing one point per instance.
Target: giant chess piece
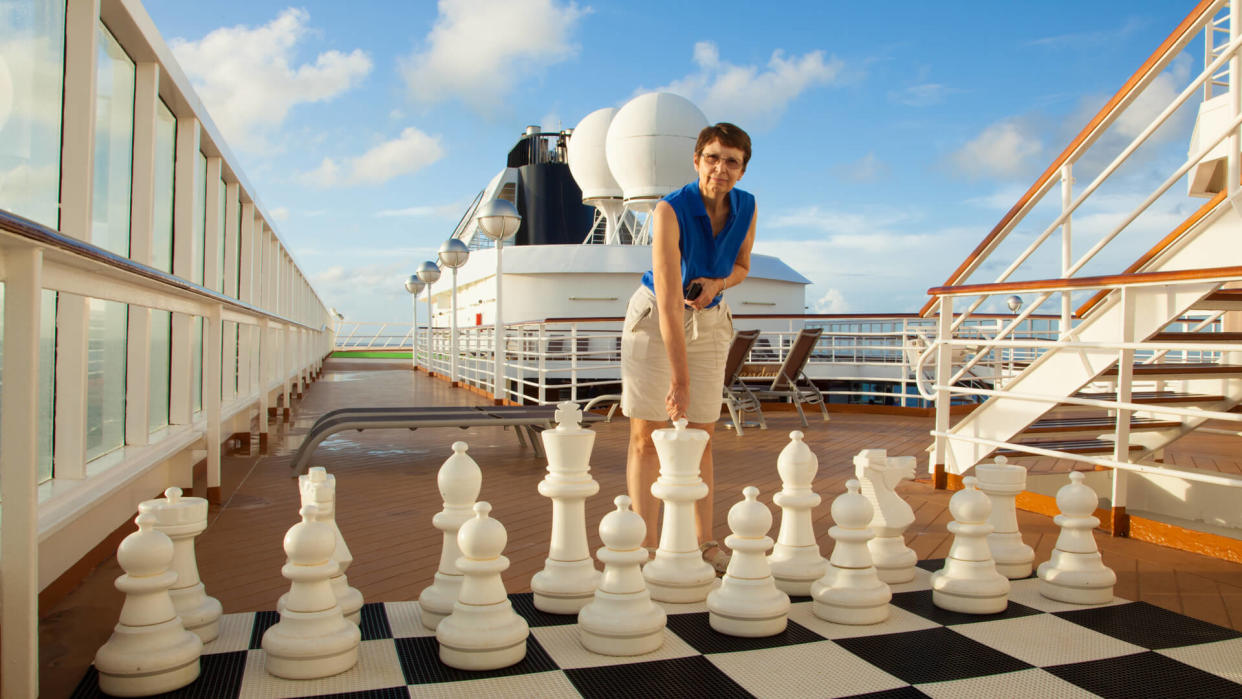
(851, 592)
(878, 475)
(969, 582)
(483, 632)
(1002, 481)
(622, 619)
(568, 579)
(317, 483)
(1075, 573)
(183, 519)
(796, 561)
(459, 481)
(678, 572)
(748, 603)
(149, 651)
(312, 639)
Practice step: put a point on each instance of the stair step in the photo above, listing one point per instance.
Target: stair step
(1230, 337)
(1070, 446)
(1221, 300)
(1181, 369)
(1101, 423)
(1155, 397)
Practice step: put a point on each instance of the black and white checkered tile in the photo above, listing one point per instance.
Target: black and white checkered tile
(1035, 648)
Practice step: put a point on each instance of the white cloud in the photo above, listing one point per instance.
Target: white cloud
(838, 222)
(280, 213)
(922, 95)
(451, 209)
(750, 95)
(408, 153)
(1090, 39)
(478, 50)
(249, 79)
(868, 168)
(1004, 149)
(833, 301)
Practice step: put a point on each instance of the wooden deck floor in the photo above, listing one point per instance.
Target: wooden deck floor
(387, 495)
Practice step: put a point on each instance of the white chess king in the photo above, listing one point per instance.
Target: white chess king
(678, 572)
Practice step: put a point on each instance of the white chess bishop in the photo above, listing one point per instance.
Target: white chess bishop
(796, 561)
(183, 519)
(1003, 481)
(459, 480)
(622, 619)
(149, 652)
(851, 592)
(317, 482)
(678, 572)
(568, 579)
(878, 475)
(969, 582)
(748, 603)
(483, 632)
(1076, 573)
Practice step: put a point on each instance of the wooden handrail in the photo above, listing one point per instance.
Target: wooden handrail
(1085, 137)
(1179, 275)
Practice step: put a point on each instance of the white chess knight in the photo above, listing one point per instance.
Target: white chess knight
(149, 651)
(969, 582)
(568, 579)
(318, 483)
(183, 519)
(796, 561)
(1076, 573)
(678, 572)
(1003, 481)
(851, 592)
(748, 603)
(483, 632)
(622, 619)
(459, 481)
(878, 475)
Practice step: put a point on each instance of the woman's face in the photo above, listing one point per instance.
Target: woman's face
(719, 167)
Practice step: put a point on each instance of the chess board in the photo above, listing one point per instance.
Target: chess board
(1036, 648)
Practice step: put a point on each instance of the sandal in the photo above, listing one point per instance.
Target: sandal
(719, 560)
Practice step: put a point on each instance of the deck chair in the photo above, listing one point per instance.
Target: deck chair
(790, 380)
(738, 397)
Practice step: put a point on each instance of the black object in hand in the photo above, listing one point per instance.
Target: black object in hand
(692, 292)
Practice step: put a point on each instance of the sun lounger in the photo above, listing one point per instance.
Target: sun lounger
(738, 398)
(788, 379)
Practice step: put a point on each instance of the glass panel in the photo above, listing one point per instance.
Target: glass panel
(200, 222)
(32, 48)
(165, 159)
(114, 144)
(239, 252)
(47, 382)
(105, 377)
(196, 354)
(220, 241)
(161, 348)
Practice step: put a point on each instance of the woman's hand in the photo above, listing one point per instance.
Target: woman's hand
(677, 401)
(711, 289)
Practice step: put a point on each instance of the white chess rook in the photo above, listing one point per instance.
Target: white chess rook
(459, 481)
(483, 632)
(969, 582)
(1075, 573)
(678, 572)
(748, 602)
(1003, 481)
(318, 480)
(878, 475)
(183, 519)
(312, 639)
(796, 561)
(851, 592)
(149, 652)
(622, 620)
(568, 579)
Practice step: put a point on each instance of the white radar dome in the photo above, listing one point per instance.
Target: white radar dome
(651, 145)
(588, 161)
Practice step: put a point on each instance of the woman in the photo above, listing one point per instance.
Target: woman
(677, 327)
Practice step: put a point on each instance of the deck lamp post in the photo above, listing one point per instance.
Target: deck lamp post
(429, 274)
(453, 254)
(1015, 304)
(500, 220)
(414, 286)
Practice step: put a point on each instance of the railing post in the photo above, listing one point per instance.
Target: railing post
(1120, 524)
(573, 362)
(211, 398)
(1233, 164)
(1067, 247)
(541, 346)
(944, 370)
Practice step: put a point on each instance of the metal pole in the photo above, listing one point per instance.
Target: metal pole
(498, 381)
(430, 334)
(1067, 259)
(453, 334)
(414, 333)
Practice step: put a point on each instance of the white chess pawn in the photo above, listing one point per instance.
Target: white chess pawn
(748, 603)
(183, 519)
(1075, 573)
(1003, 481)
(317, 480)
(149, 651)
(796, 561)
(622, 619)
(969, 582)
(483, 632)
(312, 639)
(851, 592)
(678, 572)
(878, 475)
(568, 579)
(459, 481)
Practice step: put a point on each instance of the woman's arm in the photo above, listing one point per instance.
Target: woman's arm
(741, 268)
(666, 272)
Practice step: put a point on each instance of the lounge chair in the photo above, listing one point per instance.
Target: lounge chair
(737, 397)
(789, 381)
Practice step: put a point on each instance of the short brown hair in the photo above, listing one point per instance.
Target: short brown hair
(729, 135)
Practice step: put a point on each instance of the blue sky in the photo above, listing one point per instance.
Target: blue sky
(888, 137)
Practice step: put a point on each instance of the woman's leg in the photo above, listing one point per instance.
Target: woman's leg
(703, 509)
(642, 467)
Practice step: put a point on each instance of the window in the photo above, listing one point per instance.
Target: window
(165, 160)
(114, 145)
(161, 347)
(105, 377)
(200, 223)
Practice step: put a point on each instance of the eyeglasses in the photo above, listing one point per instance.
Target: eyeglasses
(714, 159)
